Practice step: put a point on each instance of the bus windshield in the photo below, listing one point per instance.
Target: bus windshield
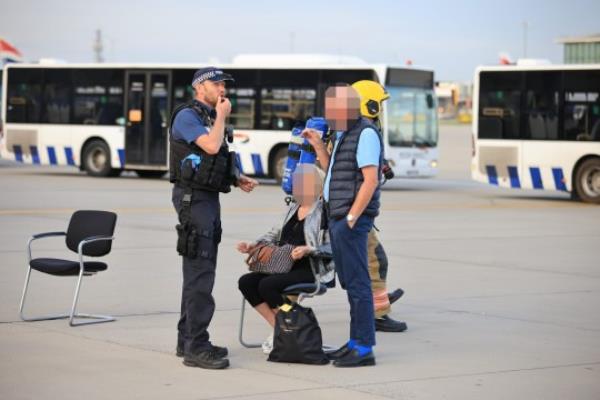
(411, 117)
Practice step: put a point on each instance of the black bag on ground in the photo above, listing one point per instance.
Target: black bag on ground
(297, 337)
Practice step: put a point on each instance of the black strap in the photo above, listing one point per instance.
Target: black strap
(325, 216)
(174, 114)
(185, 215)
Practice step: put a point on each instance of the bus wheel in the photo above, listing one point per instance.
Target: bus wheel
(587, 181)
(278, 163)
(95, 159)
(145, 173)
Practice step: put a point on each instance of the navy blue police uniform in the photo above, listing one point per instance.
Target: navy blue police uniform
(195, 197)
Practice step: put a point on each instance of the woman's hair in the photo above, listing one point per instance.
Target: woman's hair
(320, 174)
(314, 171)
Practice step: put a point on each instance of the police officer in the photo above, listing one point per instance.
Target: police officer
(201, 166)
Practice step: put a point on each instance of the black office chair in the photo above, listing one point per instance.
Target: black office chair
(90, 233)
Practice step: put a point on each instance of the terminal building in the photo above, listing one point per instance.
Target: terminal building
(581, 49)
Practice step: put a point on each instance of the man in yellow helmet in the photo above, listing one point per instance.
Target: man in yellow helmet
(372, 95)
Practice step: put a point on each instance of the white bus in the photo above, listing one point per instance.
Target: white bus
(538, 127)
(105, 118)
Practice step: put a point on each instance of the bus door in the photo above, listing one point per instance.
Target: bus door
(147, 111)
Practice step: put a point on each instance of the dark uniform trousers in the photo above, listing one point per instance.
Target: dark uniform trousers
(197, 302)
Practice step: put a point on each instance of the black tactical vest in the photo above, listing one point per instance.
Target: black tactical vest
(346, 177)
(216, 173)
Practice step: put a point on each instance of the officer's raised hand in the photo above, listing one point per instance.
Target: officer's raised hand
(223, 107)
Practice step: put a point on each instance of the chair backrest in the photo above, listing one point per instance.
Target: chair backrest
(87, 223)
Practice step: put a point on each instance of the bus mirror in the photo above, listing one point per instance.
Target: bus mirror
(429, 99)
(135, 115)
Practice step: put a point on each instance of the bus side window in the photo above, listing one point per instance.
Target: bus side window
(281, 108)
(24, 97)
(287, 97)
(57, 96)
(98, 97)
(499, 105)
(242, 95)
(242, 107)
(541, 104)
(182, 89)
(582, 105)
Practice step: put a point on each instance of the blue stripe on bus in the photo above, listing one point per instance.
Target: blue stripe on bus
(238, 160)
(35, 157)
(515, 182)
(536, 178)
(492, 174)
(51, 155)
(18, 153)
(258, 169)
(121, 157)
(69, 156)
(559, 179)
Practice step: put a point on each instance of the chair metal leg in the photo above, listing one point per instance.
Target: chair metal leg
(241, 331)
(96, 319)
(22, 306)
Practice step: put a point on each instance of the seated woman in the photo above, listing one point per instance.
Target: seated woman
(301, 228)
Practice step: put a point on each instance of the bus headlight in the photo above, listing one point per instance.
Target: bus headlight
(433, 163)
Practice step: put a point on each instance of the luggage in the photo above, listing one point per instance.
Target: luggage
(297, 337)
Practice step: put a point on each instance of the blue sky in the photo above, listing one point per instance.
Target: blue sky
(450, 37)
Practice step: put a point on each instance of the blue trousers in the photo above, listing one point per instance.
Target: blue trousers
(351, 264)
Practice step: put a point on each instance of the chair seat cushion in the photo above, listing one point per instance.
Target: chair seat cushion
(304, 288)
(55, 266)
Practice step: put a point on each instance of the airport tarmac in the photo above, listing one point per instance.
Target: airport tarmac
(502, 294)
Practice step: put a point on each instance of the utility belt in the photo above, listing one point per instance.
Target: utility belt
(215, 173)
(194, 241)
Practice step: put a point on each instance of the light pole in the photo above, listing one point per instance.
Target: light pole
(525, 26)
(98, 47)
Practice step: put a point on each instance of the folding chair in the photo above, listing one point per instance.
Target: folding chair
(90, 233)
(302, 290)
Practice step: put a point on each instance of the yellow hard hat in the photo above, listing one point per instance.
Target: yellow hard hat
(372, 94)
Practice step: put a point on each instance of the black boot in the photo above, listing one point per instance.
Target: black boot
(353, 359)
(206, 359)
(387, 324)
(339, 353)
(395, 295)
(221, 352)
